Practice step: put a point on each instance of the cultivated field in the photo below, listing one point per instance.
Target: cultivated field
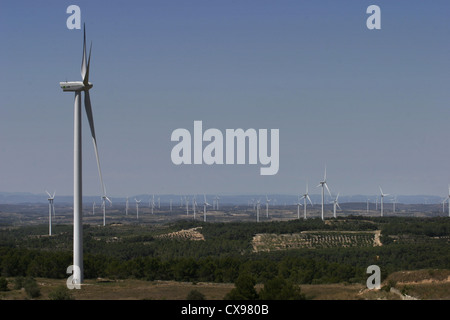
(315, 239)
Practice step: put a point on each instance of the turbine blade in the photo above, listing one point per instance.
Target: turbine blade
(51, 195)
(307, 196)
(83, 61)
(87, 104)
(328, 189)
(86, 76)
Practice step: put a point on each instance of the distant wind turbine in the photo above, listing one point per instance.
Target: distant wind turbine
(336, 204)
(382, 196)
(267, 207)
(298, 207)
(137, 207)
(205, 204)
(51, 210)
(258, 206)
(186, 199)
(306, 197)
(104, 199)
(447, 199)
(126, 207)
(216, 202)
(194, 204)
(324, 185)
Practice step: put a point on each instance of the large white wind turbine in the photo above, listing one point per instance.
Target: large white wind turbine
(324, 185)
(51, 210)
(382, 196)
(306, 197)
(126, 207)
(336, 204)
(78, 87)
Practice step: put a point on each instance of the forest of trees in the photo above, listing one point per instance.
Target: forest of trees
(138, 252)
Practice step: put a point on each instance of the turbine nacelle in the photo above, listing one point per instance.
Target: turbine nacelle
(74, 86)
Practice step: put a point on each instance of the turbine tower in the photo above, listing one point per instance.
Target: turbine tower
(305, 197)
(382, 196)
(51, 210)
(324, 185)
(126, 207)
(78, 87)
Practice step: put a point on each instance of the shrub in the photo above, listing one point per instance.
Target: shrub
(60, 293)
(195, 295)
(3, 284)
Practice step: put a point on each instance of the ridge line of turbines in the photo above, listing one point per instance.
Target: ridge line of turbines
(256, 204)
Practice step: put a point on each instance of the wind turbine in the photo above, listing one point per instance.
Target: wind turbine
(394, 200)
(126, 207)
(137, 207)
(152, 203)
(298, 207)
(257, 209)
(186, 199)
(216, 198)
(93, 208)
(51, 208)
(336, 204)
(78, 87)
(204, 207)
(104, 199)
(324, 185)
(267, 207)
(305, 197)
(382, 196)
(194, 204)
(447, 199)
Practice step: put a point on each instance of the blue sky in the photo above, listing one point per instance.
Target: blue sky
(371, 105)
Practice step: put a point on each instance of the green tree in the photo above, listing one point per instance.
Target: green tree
(244, 288)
